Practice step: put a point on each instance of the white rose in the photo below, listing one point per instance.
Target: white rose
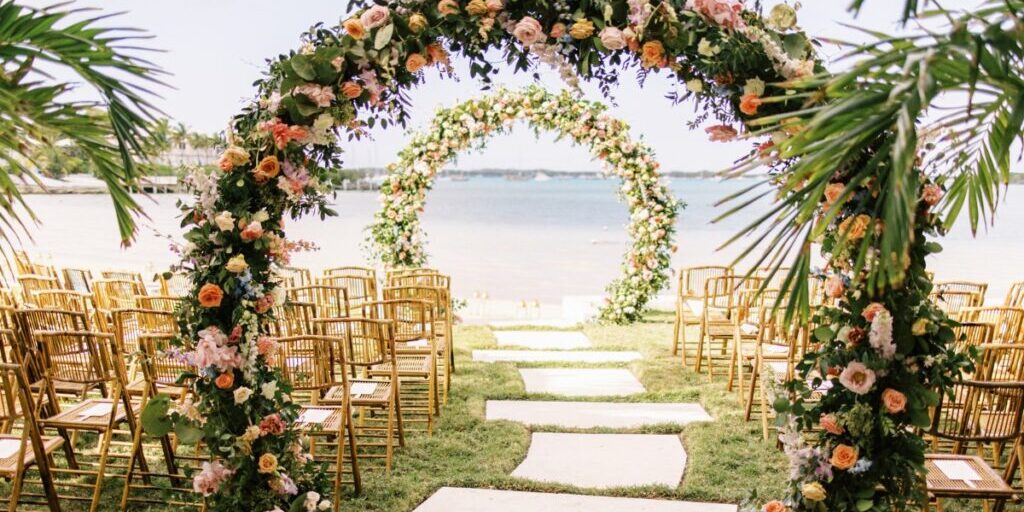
(695, 85)
(224, 221)
(269, 389)
(242, 394)
(237, 264)
(705, 48)
(754, 86)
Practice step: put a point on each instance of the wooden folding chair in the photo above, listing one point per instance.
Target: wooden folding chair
(724, 321)
(442, 328)
(139, 283)
(690, 304)
(177, 285)
(328, 301)
(76, 279)
(27, 449)
(952, 301)
(1015, 295)
(1007, 322)
(360, 288)
(293, 318)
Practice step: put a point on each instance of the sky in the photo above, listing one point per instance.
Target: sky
(214, 49)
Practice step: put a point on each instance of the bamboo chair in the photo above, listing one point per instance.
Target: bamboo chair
(777, 352)
(33, 450)
(125, 275)
(370, 365)
(1006, 321)
(409, 272)
(978, 289)
(690, 303)
(161, 370)
(111, 294)
(35, 323)
(416, 340)
(130, 328)
(723, 322)
(991, 413)
(168, 303)
(178, 285)
(445, 314)
(328, 301)
(352, 271)
(32, 283)
(972, 334)
(773, 279)
(1015, 295)
(293, 319)
(952, 301)
(441, 328)
(77, 279)
(84, 358)
(359, 288)
(751, 325)
(293, 277)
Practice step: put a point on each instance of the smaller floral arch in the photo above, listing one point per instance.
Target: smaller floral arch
(397, 239)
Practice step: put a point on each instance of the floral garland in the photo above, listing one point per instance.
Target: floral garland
(397, 239)
(284, 148)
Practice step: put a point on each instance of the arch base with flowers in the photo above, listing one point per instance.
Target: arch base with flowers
(397, 238)
(738, 67)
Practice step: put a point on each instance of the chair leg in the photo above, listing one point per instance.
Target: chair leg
(675, 333)
(389, 438)
(754, 374)
(698, 360)
(357, 481)
(102, 467)
(397, 404)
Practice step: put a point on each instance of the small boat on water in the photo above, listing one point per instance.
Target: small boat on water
(541, 177)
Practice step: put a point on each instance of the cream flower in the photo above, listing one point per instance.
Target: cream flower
(705, 48)
(225, 221)
(754, 86)
(242, 394)
(237, 264)
(695, 86)
(269, 389)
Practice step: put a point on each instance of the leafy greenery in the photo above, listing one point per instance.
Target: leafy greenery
(35, 113)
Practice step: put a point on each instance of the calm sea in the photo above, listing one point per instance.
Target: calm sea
(514, 240)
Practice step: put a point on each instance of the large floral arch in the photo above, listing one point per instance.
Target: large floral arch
(397, 238)
(745, 71)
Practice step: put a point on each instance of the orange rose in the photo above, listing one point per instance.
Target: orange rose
(749, 104)
(652, 54)
(775, 506)
(832, 193)
(871, 310)
(894, 401)
(447, 7)
(225, 164)
(210, 295)
(267, 169)
(268, 463)
(354, 28)
(225, 380)
(437, 54)
(351, 90)
(415, 62)
(844, 456)
(854, 228)
(829, 423)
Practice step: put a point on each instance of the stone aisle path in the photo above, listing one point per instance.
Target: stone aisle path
(584, 460)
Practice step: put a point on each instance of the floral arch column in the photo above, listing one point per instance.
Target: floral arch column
(397, 239)
(751, 75)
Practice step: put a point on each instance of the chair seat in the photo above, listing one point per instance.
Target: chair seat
(85, 415)
(728, 330)
(408, 365)
(139, 385)
(381, 394)
(328, 419)
(9, 464)
(990, 484)
(67, 388)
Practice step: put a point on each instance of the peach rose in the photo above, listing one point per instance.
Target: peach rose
(582, 29)
(528, 31)
(720, 133)
(832, 193)
(844, 456)
(775, 506)
(232, 157)
(375, 16)
(871, 310)
(417, 22)
(477, 8)
(557, 30)
(813, 491)
(225, 164)
(854, 228)
(267, 463)
(652, 54)
(446, 7)
(351, 90)
(436, 54)
(354, 28)
(894, 401)
(210, 295)
(749, 104)
(495, 5)
(225, 380)
(267, 169)
(857, 378)
(835, 285)
(931, 194)
(612, 38)
(829, 423)
(415, 62)
(253, 231)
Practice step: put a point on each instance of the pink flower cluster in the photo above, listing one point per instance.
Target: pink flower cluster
(284, 486)
(294, 180)
(283, 134)
(209, 479)
(267, 347)
(214, 349)
(320, 95)
(272, 424)
(724, 13)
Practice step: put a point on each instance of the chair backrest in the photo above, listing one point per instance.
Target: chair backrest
(76, 279)
(431, 280)
(305, 361)
(1006, 320)
(131, 326)
(359, 288)
(972, 334)
(127, 275)
(367, 342)
(294, 318)
(393, 273)
(177, 285)
(168, 303)
(978, 289)
(328, 301)
(34, 282)
(292, 277)
(1015, 295)
(692, 279)
(115, 293)
(63, 299)
(980, 411)
(952, 301)
(1000, 362)
(411, 319)
(79, 357)
(352, 271)
(438, 297)
(163, 363)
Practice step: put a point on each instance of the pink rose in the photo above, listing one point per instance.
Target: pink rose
(272, 425)
(375, 16)
(873, 309)
(720, 133)
(253, 231)
(495, 5)
(210, 477)
(894, 401)
(931, 194)
(557, 30)
(724, 13)
(612, 38)
(857, 378)
(320, 95)
(528, 31)
(835, 285)
(829, 423)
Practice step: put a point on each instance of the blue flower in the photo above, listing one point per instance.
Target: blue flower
(861, 466)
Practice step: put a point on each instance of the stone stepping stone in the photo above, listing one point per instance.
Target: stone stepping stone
(451, 499)
(581, 381)
(543, 340)
(604, 460)
(556, 356)
(594, 414)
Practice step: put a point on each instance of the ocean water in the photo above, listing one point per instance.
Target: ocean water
(513, 240)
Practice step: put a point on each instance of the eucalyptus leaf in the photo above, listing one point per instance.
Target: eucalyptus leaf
(383, 36)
